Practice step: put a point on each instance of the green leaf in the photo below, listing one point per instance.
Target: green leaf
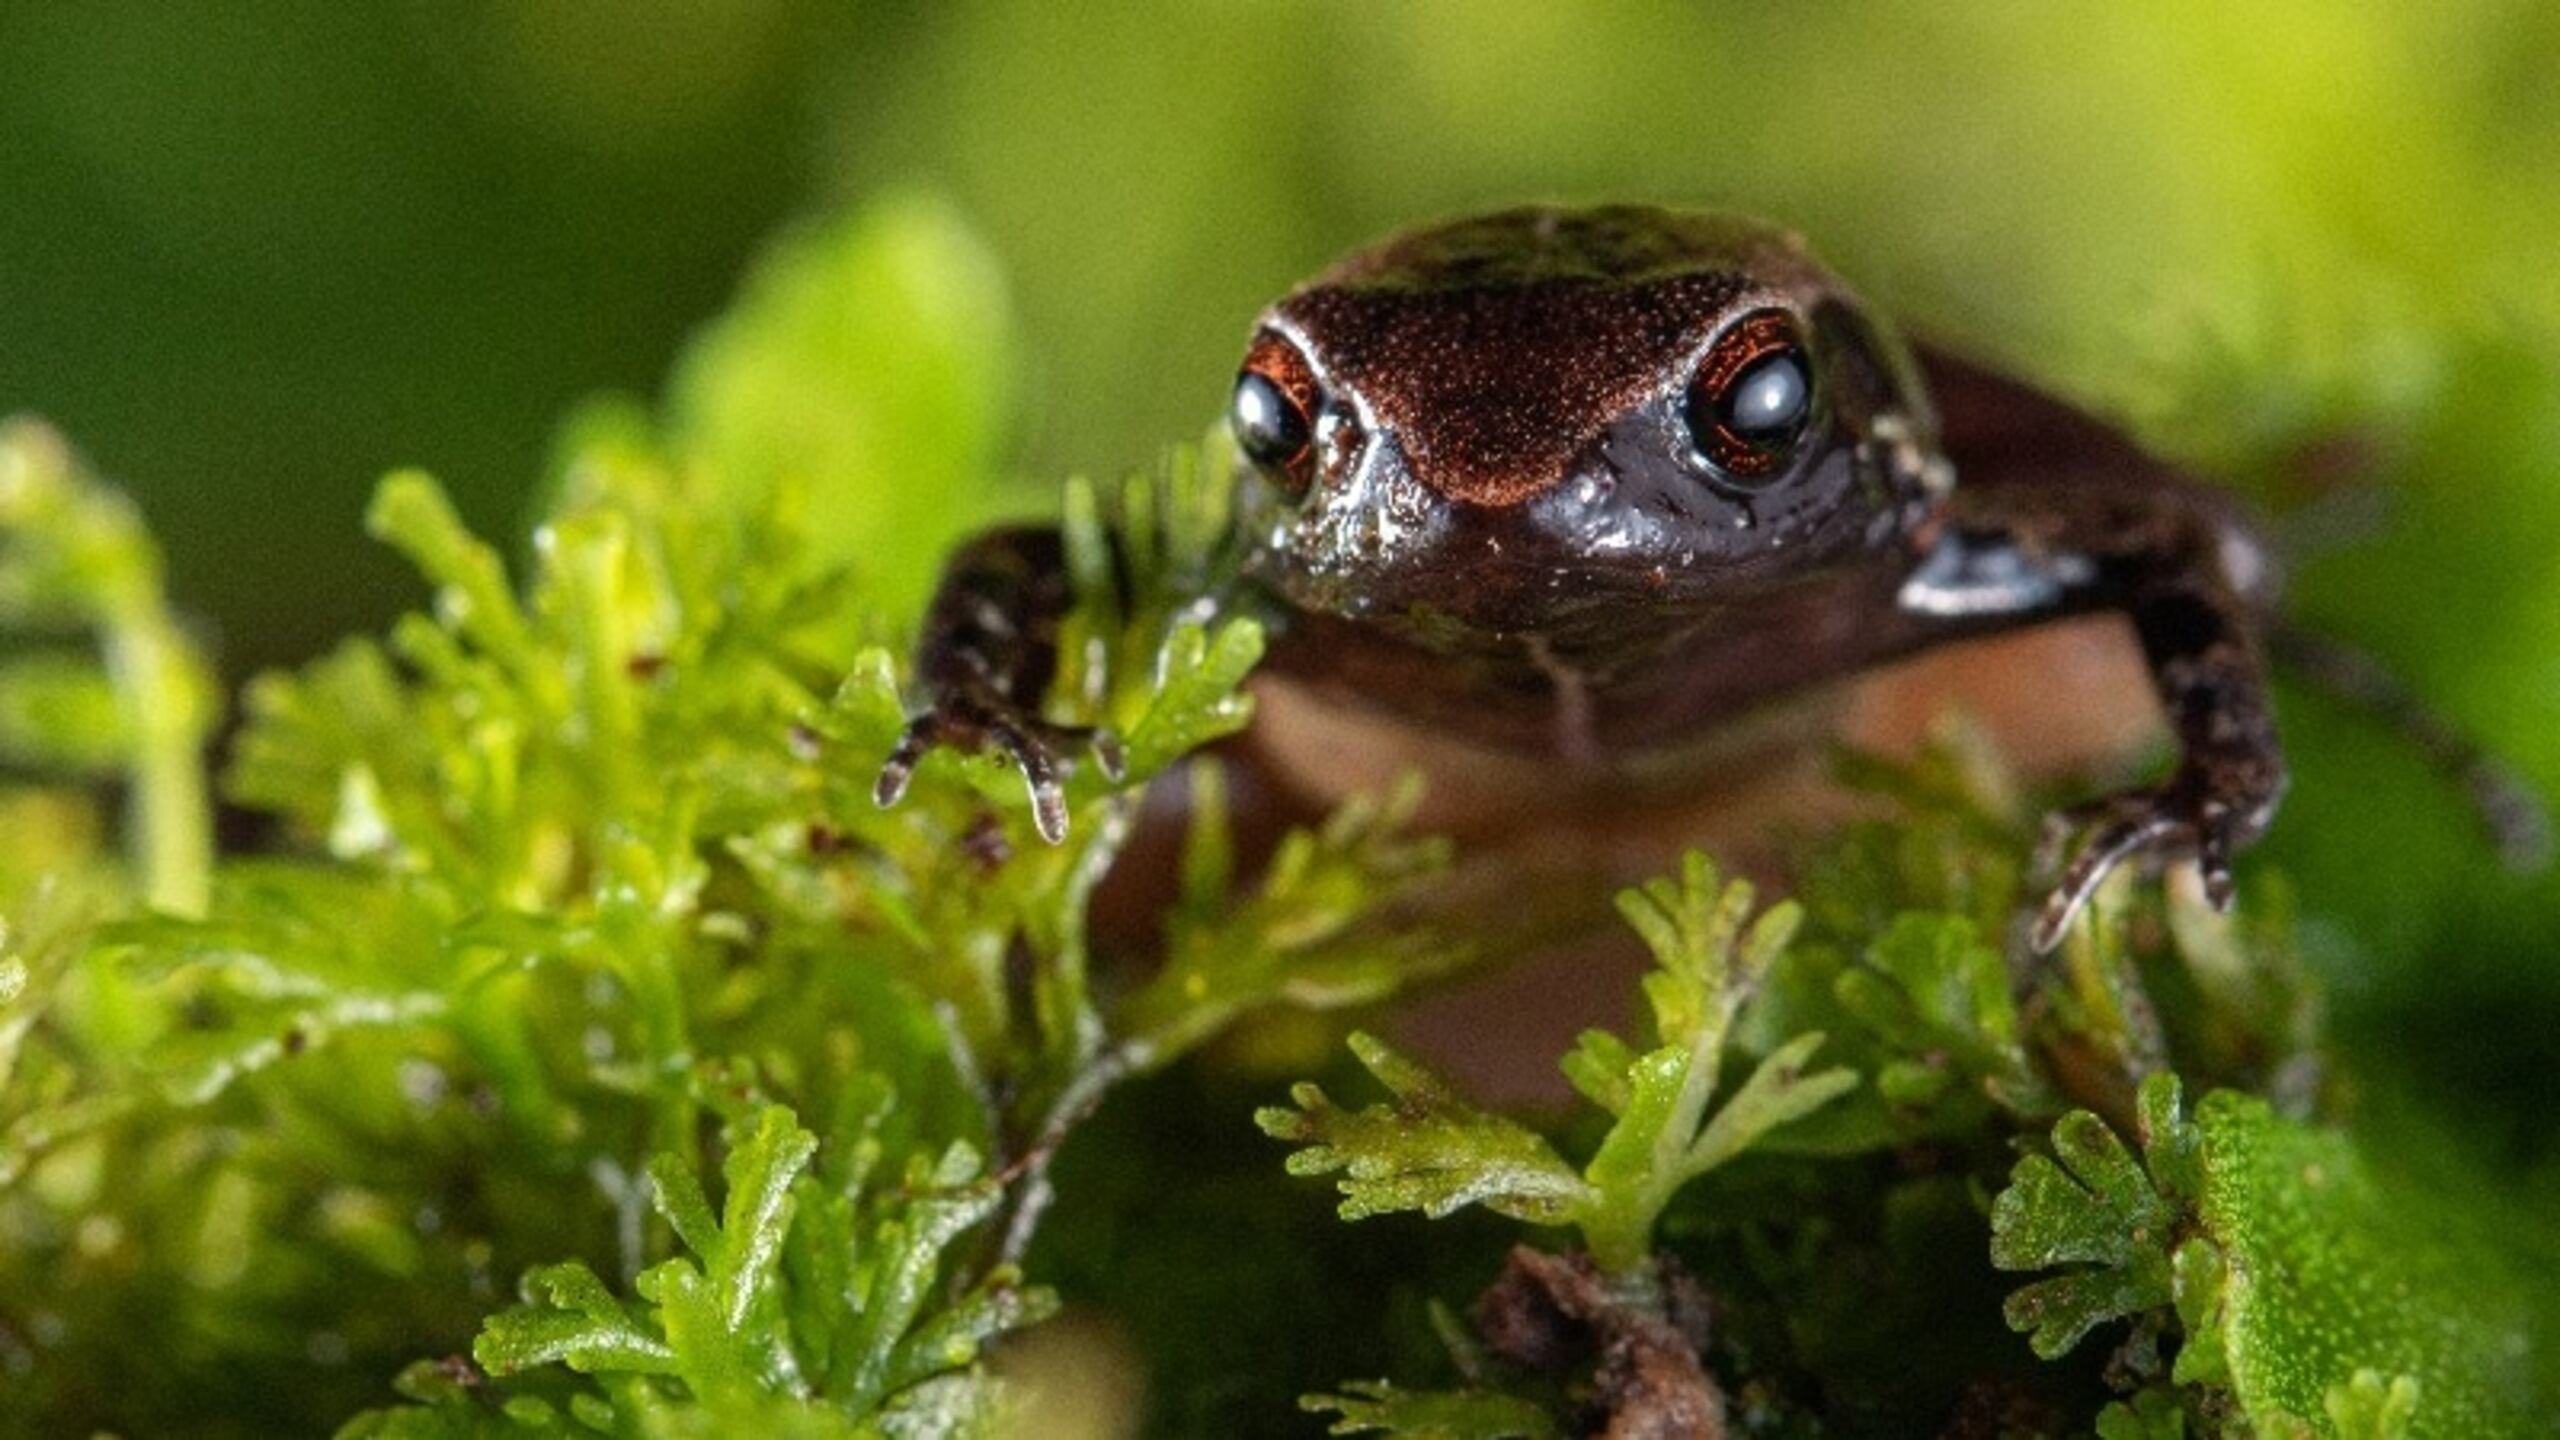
(1428, 1150)
(299, 961)
(2303, 1287)
(474, 596)
(895, 1278)
(1432, 1152)
(571, 1319)
(446, 1408)
(2155, 1414)
(863, 378)
(2172, 1146)
(2372, 1406)
(1778, 1093)
(715, 1324)
(1710, 957)
(1932, 992)
(1320, 930)
(1197, 696)
(2092, 1204)
(1599, 1066)
(1707, 961)
(798, 1309)
(1375, 1407)
(2368, 1297)
(2198, 1278)
(722, 1316)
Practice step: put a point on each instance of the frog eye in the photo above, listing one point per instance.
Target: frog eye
(1270, 427)
(1273, 413)
(1752, 398)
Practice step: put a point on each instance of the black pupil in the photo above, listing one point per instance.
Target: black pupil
(1268, 424)
(1767, 401)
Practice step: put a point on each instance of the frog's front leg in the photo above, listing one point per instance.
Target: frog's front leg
(984, 660)
(2176, 571)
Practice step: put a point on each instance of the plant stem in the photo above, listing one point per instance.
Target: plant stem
(161, 693)
(1078, 1099)
(99, 563)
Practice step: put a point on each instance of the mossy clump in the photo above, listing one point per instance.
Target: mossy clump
(572, 1046)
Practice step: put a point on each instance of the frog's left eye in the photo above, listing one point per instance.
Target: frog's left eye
(1752, 398)
(1273, 413)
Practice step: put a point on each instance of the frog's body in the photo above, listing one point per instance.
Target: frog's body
(1582, 487)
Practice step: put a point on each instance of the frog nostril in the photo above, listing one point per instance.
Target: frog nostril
(1339, 438)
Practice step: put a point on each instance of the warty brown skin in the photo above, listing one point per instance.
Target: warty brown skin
(1507, 498)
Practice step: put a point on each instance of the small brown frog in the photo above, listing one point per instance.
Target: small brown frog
(1586, 485)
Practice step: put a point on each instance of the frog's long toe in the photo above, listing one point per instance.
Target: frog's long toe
(2171, 821)
(1038, 749)
(1032, 750)
(2111, 832)
(922, 734)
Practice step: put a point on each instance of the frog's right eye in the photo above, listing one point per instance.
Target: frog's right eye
(1270, 427)
(1273, 413)
(1752, 399)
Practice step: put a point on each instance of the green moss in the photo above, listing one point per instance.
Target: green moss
(580, 966)
(573, 859)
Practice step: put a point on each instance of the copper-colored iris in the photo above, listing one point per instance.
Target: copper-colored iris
(1736, 360)
(1274, 412)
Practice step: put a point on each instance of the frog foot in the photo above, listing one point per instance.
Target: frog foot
(2179, 819)
(1039, 749)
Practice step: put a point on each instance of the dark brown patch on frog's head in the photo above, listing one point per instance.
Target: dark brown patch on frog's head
(1497, 348)
(1542, 406)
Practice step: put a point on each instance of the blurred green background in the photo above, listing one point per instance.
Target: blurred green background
(252, 256)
